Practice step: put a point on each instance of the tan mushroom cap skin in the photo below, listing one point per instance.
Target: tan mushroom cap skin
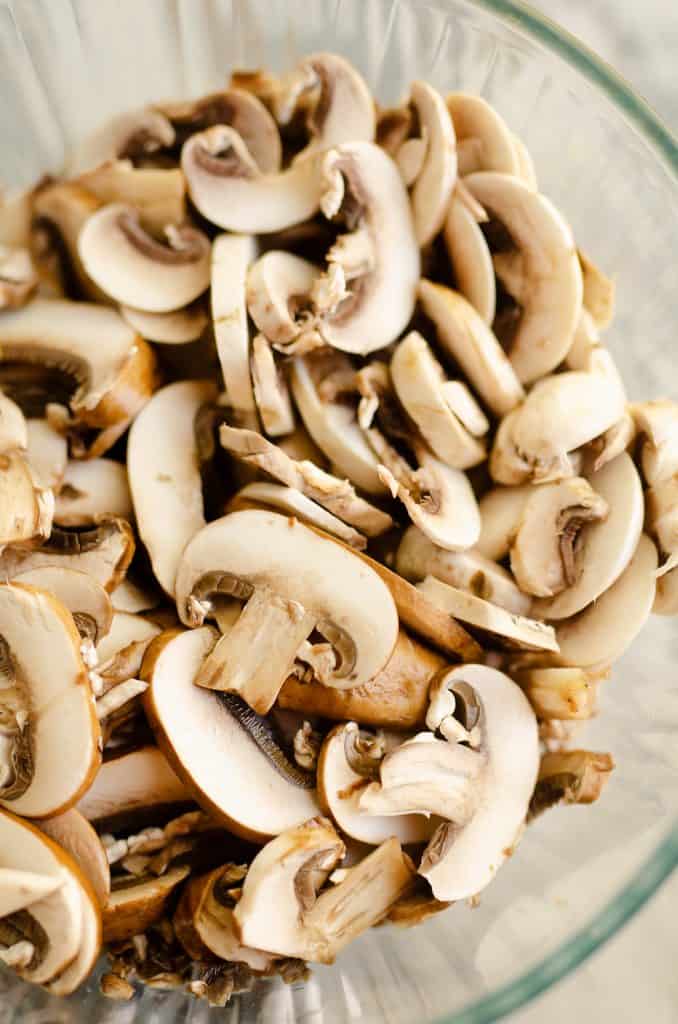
(483, 139)
(546, 265)
(65, 734)
(471, 259)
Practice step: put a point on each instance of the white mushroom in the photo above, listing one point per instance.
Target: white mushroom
(13, 427)
(133, 597)
(666, 597)
(279, 286)
(501, 510)
(26, 508)
(18, 277)
(294, 503)
(47, 453)
(65, 206)
(270, 389)
(82, 596)
(563, 694)
(229, 189)
(601, 633)
(419, 381)
(226, 755)
(20, 888)
(658, 422)
(417, 557)
(598, 292)
(484, 143)
(164, 474)
(661, 504)
(263, 558)
(133, 135)
(470, 257)
(541, 272)
(508, 466)
(605, 547)
(526, 168)
(74, 834)
(131, 909)
(135, 269)
(231, 256)
(92, 489)
(49, 732)
(175, 328)
(465, 337)
(158, 194)
(131, 781)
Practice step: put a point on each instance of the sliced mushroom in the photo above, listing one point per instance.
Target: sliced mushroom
(343, 109)
(139, 780)
(82, 596)
(470, 257)
(570, 777)
(666, 597)
(164, 474)
(361, 186)
(279, 285)
(260, 556)
(16, 211)
(484, 142)
(345, 768)
(112, 368)
(616, 440)
(133, 597)
(419, 381)
(20, 888)
(26, 508)
(396, 698)
(280, 908)
(418, 557)
(658, 422)
(135, 269)
(229, 189)
(127, 631)
(526, 169)
(601, 633)
(501, 510)
(131, 909)
(225, 754)
(103, 550)
(337, 496)
(50, 734)
(70, 979)
(541, 272)
(504, 628)
(93, 489)
(333, 424)
(18, 277)
(176, 328)
(294, 503)
(13, 426)
(65, 206)
(508, 465)
(598, 292)
(74, 834)
(130, 136)
(460, 860)
(466, 338)
(564, 694)
(270, 390)
(158, 194)
(47, 453)
(231, 256)
(604, 548)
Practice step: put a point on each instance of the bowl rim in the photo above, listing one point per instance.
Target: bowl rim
(664, 859)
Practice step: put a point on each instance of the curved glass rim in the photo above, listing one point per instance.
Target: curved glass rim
(664, 859)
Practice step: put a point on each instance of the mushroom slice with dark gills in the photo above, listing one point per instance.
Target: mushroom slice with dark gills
(135, 135)
(134, 268)
(294, 581)
(103, 549)
(164, 474)
(81, 354)
(49, 732)
(570, 777)
(229, 761)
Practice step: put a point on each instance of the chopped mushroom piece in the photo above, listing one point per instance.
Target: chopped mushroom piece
(666, 596)
(292, 501)
(270, 390)
(598, 293)
(570, 777)
(657, 421)
(279, 297)
(566, 694)
(131, 909)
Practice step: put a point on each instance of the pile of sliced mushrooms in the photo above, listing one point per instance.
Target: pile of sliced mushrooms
(324, 516)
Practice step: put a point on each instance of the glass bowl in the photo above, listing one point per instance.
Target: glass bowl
(601, 155)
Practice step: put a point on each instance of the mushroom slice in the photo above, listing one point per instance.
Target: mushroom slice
(260, 556)
(565, 694)
(598, 292)
(294, 503)
(112, 367)
(133, 597)
(135, 269)
(466, 338)
(526, 169)
(103, 550)
(16, 212)
(13, 426)
(419, 381)
(418, 557)
(396, 698)
(460, 860)
(20, 888)
(280, 908)
(51, 738)
(658, 422)
(74, 834)
(541, 272)
(343, 110)
(157, 194)
(601, 633)
(229, 189)
(484, 143)
(503, 628)
(661, 516)
(127, 631)
(278, 295)
(507, 465)
(570, 777)
(546, 555)
(332, 423)
(666, 597)
(345, 767)
(231, 256)
(18, 277)
(26, 508)
(471, 260)
(270, 390)
(131, 909)
(85, 599)
(337, 496)
(604, 548)
(129, 136)
(616, 440)
(226, 755)
(164, 474)
(93, 489)
(70, 979)
(175, 328)
(501, 511)
(139, 780)
(65, 206)
(206, 909)
(361, 185)
(47, 453)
